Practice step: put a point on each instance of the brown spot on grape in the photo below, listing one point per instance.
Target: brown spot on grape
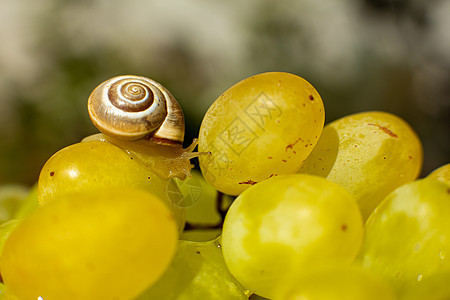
(148, 177)
(290, 146)
(384, 129)
(356, 146)
(283, 160)
(270, 157)
(304, 104)
(251, 182)
(198, 252)
(311, 97)
(52, 173)
(271, 175)
(384, 157)
(344, 227)
(409, 156)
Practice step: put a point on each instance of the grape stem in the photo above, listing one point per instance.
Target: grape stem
(219, 207)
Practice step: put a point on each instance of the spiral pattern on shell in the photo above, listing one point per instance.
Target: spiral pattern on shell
(131, 107)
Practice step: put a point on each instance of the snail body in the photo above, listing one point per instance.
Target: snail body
(165, 160)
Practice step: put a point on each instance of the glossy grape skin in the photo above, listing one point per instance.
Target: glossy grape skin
(92, 245)
(442, 173)
(197, 272)
(407, 238)
(337, 283)
(286, 223)
(370, 154)
(263, 126)
(96, 165)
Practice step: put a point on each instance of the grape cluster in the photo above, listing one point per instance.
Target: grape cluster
(283, 208)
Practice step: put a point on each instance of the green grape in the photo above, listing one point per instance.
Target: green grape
(202, 212)
(16, 203)
(200, 234)
(434, 287)
(336, 283)
(286, 223)
(197, 272)
(11, 197)
(442, 173)
(5, 294)
(261, 127)
(28, 205)
(90, 245)
(5, 231)
(2, 291)
(370, 154)
(199, 198)
(99, 165)
(407, 237)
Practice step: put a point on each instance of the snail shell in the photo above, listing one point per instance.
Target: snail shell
(135, 107)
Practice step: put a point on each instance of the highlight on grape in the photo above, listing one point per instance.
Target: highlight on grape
(282, 206)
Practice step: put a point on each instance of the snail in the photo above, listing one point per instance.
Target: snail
(141, 117)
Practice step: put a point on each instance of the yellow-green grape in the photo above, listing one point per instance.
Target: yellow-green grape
(11, 197)
(97, 165)
(337, 283)
(442, 173)
(287, 223)
(91, 245)
(370, 154)
(256, 297)
(261, 127)
(407, 237)
(434, 287)
(197, 272)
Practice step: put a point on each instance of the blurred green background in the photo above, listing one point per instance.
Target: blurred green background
(391, 55)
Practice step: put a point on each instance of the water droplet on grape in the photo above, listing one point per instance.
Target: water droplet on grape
(442, 254)
(420, 277)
